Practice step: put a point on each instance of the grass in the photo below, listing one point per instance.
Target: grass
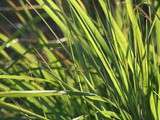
(108, 68)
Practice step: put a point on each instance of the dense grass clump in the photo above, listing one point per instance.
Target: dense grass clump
(104, 61)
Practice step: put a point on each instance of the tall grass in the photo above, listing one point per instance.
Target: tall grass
(109, 67)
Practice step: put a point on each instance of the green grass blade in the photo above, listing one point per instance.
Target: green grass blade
(42, 93)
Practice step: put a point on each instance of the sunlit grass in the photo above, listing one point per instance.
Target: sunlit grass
(107, 68)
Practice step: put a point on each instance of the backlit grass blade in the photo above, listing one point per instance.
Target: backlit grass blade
(53, 15)
(19, 48)
(153, 106)
(138, 43)
(42, 93)
(93, 34)
(136, 29)
(157, 26)
(120, 36)
(20, 109)
(24, 78)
